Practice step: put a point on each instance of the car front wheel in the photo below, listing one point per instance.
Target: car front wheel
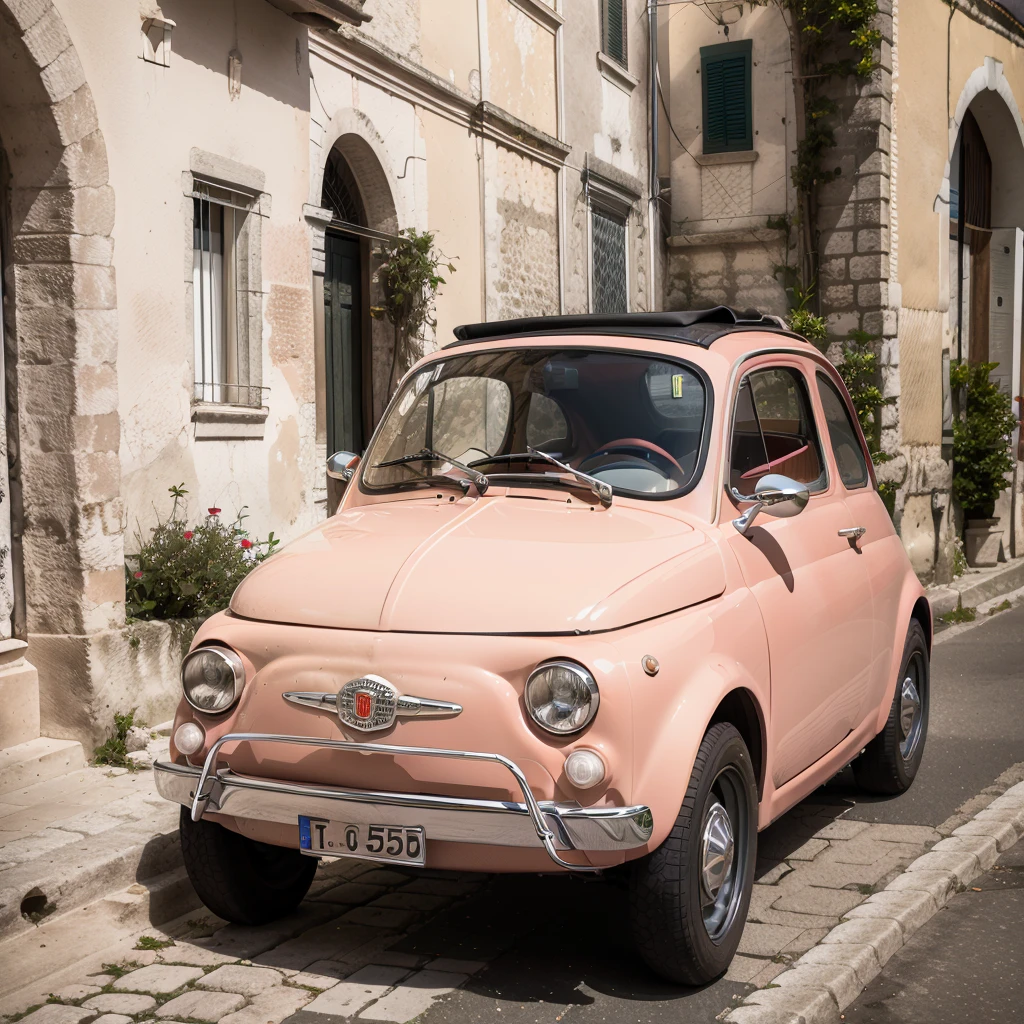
(890, 761)
(239, 879)
(689, 897)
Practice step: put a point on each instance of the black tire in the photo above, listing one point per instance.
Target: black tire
(674, 926)
(239, 879)
(890, 761)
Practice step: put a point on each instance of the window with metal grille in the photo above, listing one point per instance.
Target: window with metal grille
(608, 262)
(220, 296)
(613, 30)
(725, 77)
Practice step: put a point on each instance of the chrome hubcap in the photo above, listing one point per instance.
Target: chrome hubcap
(717, 849)
(725, 861)
(911, 717)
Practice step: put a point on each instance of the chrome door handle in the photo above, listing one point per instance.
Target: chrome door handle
(853, 532)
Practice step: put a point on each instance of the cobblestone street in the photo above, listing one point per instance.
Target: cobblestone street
(373, 943)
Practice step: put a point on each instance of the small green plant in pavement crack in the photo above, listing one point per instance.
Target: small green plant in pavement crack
(114, 750)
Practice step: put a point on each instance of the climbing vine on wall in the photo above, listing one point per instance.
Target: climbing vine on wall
(829, 40)
(409, 278)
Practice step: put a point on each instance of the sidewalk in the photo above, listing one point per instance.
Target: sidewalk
(86, 854)
(976, 587)
(969, 955)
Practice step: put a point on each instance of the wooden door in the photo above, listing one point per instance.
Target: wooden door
(343, 329)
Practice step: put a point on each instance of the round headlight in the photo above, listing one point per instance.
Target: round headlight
(561, 697)
(212, 678)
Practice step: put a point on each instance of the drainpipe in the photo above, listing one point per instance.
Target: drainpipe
(654, 183)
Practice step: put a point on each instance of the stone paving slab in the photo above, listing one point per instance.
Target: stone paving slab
(829, 896)
(198, 1005)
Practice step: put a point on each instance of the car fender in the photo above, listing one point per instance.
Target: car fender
(704, 654)
(912, 593)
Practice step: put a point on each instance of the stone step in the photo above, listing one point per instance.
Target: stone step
(61, 869)
(38, 760)
(82, 935)
(19, 695)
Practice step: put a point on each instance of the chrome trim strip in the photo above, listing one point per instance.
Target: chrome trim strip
(571, 827)
(408, 706)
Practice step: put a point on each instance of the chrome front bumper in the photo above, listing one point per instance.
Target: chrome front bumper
(555, 826)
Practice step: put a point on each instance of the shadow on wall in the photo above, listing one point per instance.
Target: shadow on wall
(205, 33)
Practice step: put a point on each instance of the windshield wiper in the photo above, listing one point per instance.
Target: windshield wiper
(595, 486)
(430, 455)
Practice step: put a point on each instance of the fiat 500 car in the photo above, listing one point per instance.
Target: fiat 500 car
(601, 593)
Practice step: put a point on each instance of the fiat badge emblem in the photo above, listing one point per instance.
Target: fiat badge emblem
(367, 704)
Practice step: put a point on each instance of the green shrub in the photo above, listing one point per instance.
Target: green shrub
(981, 439)
(113, 750)
(185, 572)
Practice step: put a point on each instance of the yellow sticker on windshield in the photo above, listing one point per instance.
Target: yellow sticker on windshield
(677, 385)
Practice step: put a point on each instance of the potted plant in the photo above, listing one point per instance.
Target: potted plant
(981, 457)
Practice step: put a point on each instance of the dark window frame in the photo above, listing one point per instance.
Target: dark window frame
(621, 56)
(710, 55)
(822, 379)
(802, 383)
(598, 209)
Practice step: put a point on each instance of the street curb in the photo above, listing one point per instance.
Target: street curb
(830, 976)
(973, 589)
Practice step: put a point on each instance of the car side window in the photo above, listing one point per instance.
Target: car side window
(853, 469)
(774, 432)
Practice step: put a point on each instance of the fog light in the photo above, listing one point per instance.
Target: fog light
(189, 737)
(584, 768)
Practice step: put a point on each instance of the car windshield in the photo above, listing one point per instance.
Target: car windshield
(632, 421)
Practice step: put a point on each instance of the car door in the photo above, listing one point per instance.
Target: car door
(879, 545)
(810, 582)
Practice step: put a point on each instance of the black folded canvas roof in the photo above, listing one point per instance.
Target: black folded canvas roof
(694, 327)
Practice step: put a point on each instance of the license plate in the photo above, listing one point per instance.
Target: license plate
(394, 844)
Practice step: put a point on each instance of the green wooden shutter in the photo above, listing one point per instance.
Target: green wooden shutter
(613, 30)
(725, 74)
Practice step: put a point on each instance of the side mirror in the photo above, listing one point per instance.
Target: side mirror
(778, 495)
(341, 467)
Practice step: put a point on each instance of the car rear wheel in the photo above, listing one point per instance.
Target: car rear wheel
(890, 761)
(239, 879)
(689, 897)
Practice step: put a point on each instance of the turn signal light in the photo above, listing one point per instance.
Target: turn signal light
(584, 768)
(189, 737)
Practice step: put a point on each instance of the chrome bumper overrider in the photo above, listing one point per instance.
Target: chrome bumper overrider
(555, 826)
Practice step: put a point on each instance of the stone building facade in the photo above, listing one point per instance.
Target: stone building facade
(887, 247)
(191, 199)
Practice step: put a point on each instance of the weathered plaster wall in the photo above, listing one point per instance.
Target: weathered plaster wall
(721, 249)
(521, 65)
(985, 73)
(605, 121)
(154, 117)
(521, 236)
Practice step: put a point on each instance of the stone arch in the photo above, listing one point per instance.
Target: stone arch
(352, 134)
(355, 137)
(60, 330)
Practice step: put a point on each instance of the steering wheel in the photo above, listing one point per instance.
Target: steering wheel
(635, 442)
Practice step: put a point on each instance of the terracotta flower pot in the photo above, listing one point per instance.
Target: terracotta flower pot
(982, 541)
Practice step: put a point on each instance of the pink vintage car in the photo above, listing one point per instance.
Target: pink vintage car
(603, 591)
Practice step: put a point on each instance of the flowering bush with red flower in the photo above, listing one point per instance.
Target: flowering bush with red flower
(185, 573)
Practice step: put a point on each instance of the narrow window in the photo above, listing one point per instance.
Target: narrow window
(774, 432)
(220, 298)
(608, 262)
(613, 30)
(725, 78)
(845, 437)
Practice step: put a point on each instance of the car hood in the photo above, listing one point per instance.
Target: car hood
(495, 565)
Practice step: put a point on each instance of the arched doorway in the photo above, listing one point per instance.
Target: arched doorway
(65, 558)
(986, 253)
(348, 355)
